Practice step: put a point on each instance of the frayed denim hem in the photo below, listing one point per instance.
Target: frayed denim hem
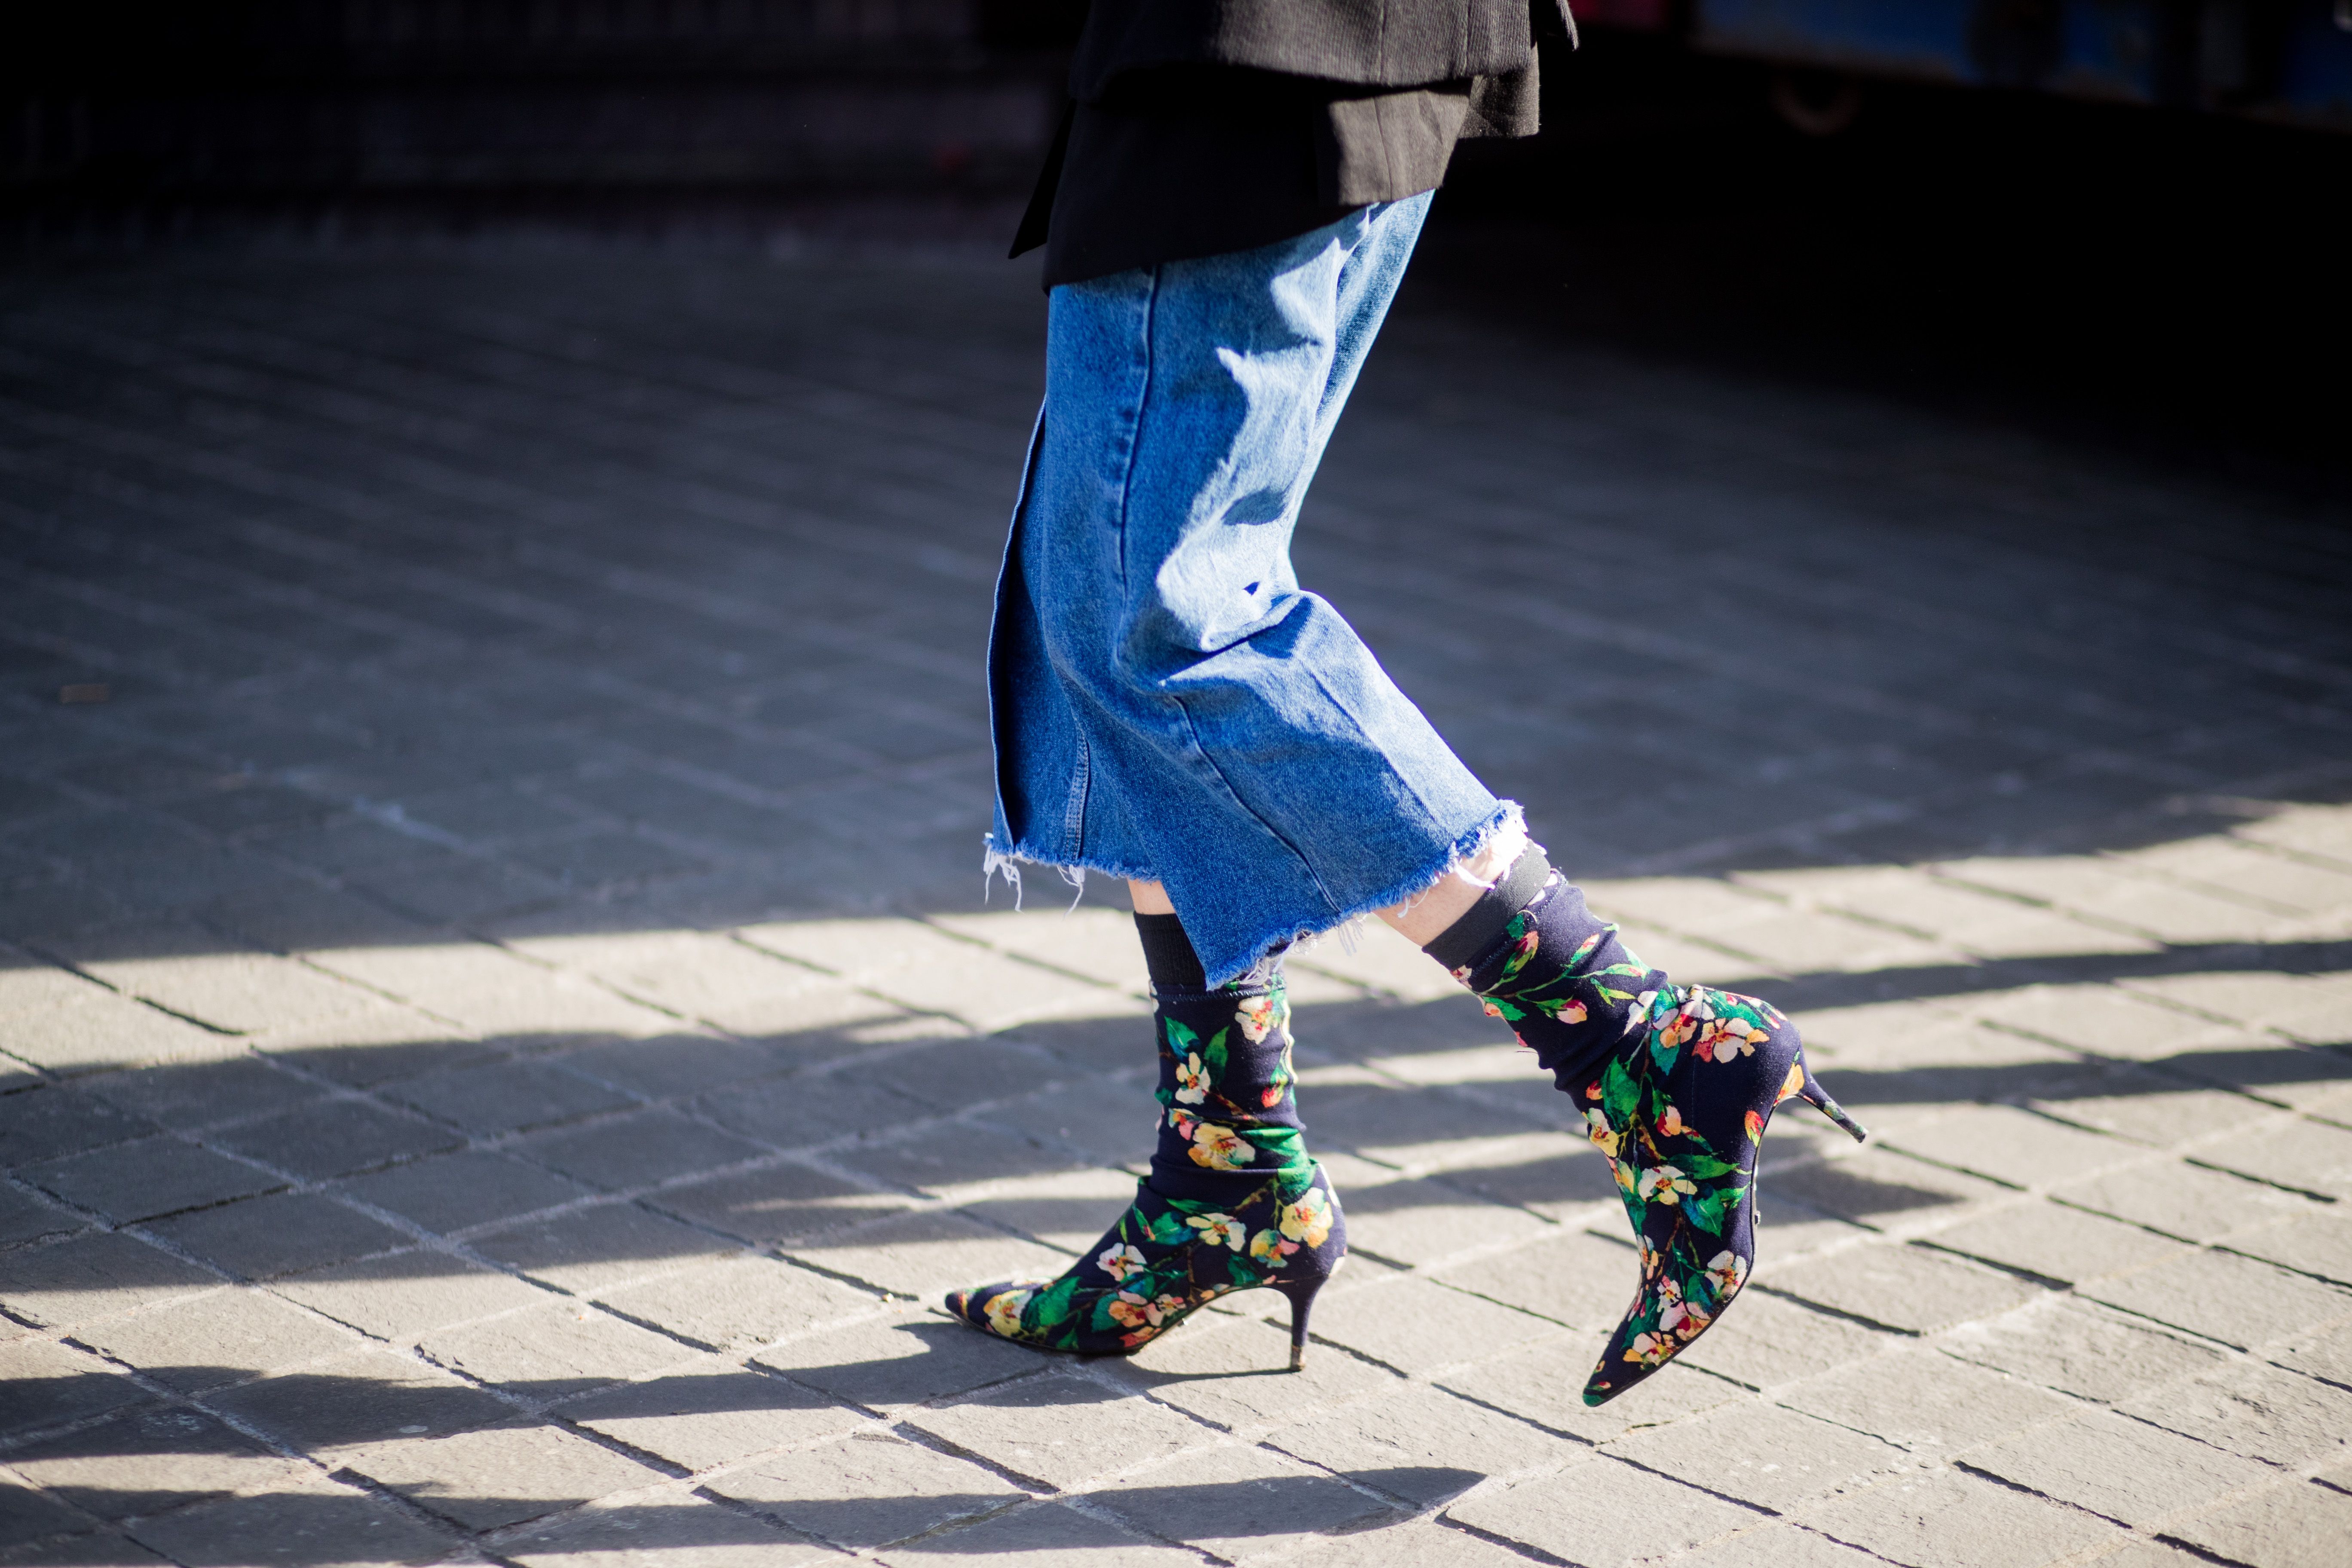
(1506, 814)
(996, 862)
(1276, 939)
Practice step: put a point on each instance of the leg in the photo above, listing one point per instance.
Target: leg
(1169, 705)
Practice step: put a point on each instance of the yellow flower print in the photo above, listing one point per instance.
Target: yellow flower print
(1219, 1228)
(1729, 1270)
(1568, 1010)
(1755, 1127)
(1624, 1173)
(1192, 1080)
(1792, 1083)
(1605, 1138)
(1672, 1125)
(1119, 1260)
(1268, 1246)
(1729, 1039)
(1257, 1015)
(1182, 1124)
(1219, 1148)
(1654, 1262)
(1666, 1185)
(1308, 1221)
(1649, 1350)
(1003, 1310)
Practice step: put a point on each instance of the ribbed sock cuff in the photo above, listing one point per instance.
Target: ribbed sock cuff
(1168, 955)
(1464, 941)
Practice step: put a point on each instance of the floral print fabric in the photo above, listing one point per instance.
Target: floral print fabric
(1677, 1084)
(1234, 1200)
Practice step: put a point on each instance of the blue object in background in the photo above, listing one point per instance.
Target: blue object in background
(2286, 60)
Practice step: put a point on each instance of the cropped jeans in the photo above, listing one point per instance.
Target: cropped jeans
(1167, 703)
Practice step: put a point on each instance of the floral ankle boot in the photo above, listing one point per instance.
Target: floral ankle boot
(1677, 1084)
(1233, 1201)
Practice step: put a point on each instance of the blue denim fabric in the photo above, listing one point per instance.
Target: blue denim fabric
(1167, 703)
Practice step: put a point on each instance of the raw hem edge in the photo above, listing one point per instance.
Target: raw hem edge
(1507, 814)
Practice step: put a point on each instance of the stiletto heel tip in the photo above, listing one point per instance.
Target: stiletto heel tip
(1297, 1358)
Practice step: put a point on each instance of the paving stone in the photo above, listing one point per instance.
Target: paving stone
(1545, 1384)
(403, 1295)
(815, 1108)
(864, 1490)
(2056, 1243)
(1571, 1276)
(552, 1352)
(501, 1096)
(211, 1340)
(926, 1255)
(941, 1160)
(1769, 1341)
(1111, 1121)
(2017, 1147)
(1427, 1223)
(923, 968)
(27, 1516)
(2261, 1412)
(336, 1138)
(317, 1526)
(2124, 1469)
(1058, 1430)
(2237, 1300)
(1884, 1190)
(594, 1248)
(2186, 1201)
(636, 1151)
(2149, 1108)
(49, 1123)
(2325, 1354)
(497, 1475)
(458, 1192)
(84, 1279)
(235, 993)
(2302, 1524)
(106, 1032)
(198, 1094)
(910, 1357)
(264, 1238)
(1944, 1518)
(1920, 1400)
(24, 1217)
(659, 1066)
(1046, 1536)
(1069, 1210)
(1240, 1502)
(738, 1304)
(660, 1530)
(1602, 1513)
(100, 1549)
(147, 1461)
(2078, 1348)
(49, 1384)
(361, 1397)
(710, 1412)
(1423, 1441)
(1781, 1546)
(2317, 1243)
(2294, 1152)
(366, 1051)
(1762, 1454)
(1218, 1368)
(1910, 1288)
(1416, 1325)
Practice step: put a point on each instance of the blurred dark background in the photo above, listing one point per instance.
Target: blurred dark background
(2116, 217)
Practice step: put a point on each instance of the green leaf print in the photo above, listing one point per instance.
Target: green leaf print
(1180, 1039)
(1705, 1211)
(1052, 1305)
(1704, 1167)
(1212, 1055)
(1619, 1094)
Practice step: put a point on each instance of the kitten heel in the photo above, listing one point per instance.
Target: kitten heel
(1301, 1295)
(1814, 1095)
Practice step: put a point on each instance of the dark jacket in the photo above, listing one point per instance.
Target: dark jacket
(1201, 126)
(1366, 43)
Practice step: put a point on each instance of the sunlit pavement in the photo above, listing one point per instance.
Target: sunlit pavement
(505, 1047)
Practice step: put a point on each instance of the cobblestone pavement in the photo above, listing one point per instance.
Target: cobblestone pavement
(504, 1049)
